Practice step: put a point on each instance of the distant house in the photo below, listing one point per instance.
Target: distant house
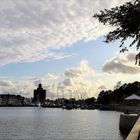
(132, 100)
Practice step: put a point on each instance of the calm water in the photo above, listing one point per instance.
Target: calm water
(57, 124)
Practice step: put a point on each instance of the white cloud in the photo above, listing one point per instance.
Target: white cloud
(24, 88)
(6, 83)
(34, 30)
(122, 63)
(82, 70)
(77, 80)
(102, 87)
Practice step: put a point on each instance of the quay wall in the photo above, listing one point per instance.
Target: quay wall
(135, 132)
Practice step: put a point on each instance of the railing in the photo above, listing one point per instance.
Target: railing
(135, 132)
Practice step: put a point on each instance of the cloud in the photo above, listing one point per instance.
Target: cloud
(24, 88)
(6, 83)
(72, 83)
(68, 82)
(82, 70)
(123, 63)
(34, 30)
(79, 81)
(52, 76)
(102, 87)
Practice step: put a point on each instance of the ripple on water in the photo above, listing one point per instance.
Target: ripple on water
(42, 123)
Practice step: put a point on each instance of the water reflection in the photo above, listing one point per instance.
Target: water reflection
(43, 123)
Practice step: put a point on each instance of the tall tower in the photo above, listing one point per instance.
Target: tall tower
(39, 95)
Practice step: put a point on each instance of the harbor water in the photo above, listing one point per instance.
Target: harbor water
(21, 123)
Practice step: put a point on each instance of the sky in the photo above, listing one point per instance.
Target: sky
(58, 43)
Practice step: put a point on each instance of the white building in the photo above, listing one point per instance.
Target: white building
(132, 100)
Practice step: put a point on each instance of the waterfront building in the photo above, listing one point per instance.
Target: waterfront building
(39, 95)
(11, 100)
(132, 100)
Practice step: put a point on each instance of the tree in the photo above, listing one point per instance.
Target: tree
(118, 95)
(126, 19)
(118, 85)
(104, 97)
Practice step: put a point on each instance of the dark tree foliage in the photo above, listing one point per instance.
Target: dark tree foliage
(104, 97)
(126, 19)
(118, 95)
(89, 101)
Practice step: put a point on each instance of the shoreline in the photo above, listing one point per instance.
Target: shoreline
(120, 108)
